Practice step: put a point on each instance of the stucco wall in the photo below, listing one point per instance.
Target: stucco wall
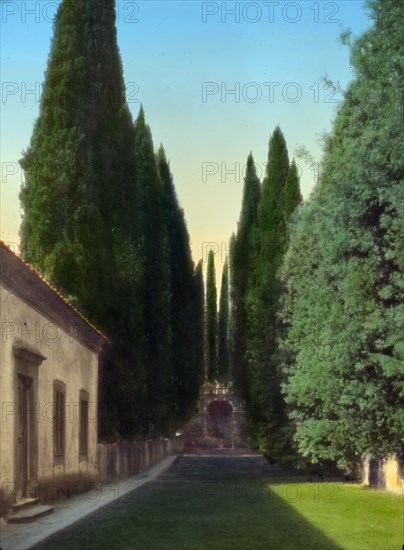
(384, 474)
(67, 360)
(121, 460)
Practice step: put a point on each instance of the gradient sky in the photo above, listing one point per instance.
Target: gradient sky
(170, 51)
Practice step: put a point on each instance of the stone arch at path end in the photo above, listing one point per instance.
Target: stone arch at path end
(221, 414)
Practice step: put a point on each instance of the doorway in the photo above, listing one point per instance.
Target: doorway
(25, 464)
(221, 416)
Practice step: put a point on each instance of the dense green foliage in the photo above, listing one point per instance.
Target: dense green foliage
(101, 222)
(313, 334)
(279, 197)
(343, 276)
(211, 320)
(240, 267)
(223, 352)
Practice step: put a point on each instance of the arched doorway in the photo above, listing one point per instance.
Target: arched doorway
(220, 423)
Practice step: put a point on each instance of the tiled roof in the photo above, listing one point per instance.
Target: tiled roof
(50, 286)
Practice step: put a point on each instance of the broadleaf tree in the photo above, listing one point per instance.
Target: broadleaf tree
(343, 275)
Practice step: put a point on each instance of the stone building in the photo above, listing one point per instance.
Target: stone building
(48, 382)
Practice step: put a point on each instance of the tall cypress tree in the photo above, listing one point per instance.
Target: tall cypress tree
(156, 286)
(223, 356)
(232, 312)
(240, 257)
(80, 201)
(265, 405)
(197, 323)
(180, 270)
(292, 194)
(211, 319)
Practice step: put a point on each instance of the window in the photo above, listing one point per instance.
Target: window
(59, 419)
(83, 435)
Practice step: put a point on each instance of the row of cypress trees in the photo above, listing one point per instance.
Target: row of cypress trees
(315, 316)
(343, 276)
(257, 251)
(102, 222)
(317, 319)
(239, 338)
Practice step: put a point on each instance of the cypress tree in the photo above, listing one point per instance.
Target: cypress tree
(270, 209)
(292, 194)
(156, 286)
(80, 225)
(232, 312)
(223, 357)
(240, 256)
(211, 319)
(197, 323)
(181, 280)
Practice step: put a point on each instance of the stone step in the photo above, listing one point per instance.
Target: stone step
(26, 503)
(30, 514)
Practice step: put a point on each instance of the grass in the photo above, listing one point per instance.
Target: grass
(354, 517)
(239, 504)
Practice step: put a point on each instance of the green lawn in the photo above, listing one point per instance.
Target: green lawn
(352, 516)
(239, 504)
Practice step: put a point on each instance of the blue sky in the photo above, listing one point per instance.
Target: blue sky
(181, 60)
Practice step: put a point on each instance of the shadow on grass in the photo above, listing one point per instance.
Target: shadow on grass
(199, 504)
